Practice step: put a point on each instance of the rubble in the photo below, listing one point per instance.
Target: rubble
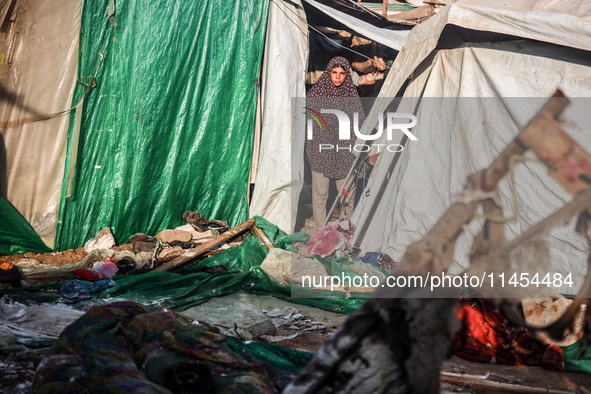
(147, 252)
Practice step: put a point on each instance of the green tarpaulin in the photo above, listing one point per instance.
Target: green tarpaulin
(16, 235)
(169, 125)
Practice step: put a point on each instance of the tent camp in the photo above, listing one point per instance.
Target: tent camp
(479, 73)
(150, 137)
(112, 116)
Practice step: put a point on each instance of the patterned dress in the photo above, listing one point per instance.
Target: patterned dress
(325, 95)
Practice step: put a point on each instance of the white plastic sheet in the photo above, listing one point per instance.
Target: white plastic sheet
(36, 321)
(284, 73)
(37, 76)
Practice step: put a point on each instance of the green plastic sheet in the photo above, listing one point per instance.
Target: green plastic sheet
(280, 357)
(577, 357)
(169, 125)
(16, 234)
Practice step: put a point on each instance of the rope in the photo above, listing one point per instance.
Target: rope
(513, 161)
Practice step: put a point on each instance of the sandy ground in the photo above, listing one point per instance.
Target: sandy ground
(69, 256)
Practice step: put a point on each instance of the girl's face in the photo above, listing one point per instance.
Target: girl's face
(337, 76)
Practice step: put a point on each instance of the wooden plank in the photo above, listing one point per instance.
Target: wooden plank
(261, 235)
(569, 164)
(484, 383)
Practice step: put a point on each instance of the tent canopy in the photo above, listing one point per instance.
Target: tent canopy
(471, 96)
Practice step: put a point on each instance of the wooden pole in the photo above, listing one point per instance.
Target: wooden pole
(483, 383)
(261, 235)
(201, 249)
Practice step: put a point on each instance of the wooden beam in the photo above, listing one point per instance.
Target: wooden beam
(201, 249)
(261, 235)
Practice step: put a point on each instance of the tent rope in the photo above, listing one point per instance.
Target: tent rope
(328, 38)
(513, 161)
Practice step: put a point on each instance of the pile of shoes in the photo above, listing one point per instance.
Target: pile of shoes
(202, 224)
(171, 243)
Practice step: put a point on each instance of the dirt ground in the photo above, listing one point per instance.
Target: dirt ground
(69, 256)
(18, 369)
(58, 259)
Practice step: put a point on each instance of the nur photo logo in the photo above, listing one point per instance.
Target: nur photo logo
(395, 121)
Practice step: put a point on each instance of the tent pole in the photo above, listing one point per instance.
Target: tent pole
(340, 193)
(374, 206)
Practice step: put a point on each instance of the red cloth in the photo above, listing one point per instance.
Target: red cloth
(107, 268)
(86, 274)
(330, 237)
(486, 337)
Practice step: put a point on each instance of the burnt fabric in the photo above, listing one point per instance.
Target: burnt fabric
(125, 347)
(487, 337)
(333, 163)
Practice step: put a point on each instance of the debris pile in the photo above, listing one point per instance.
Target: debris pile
(144, 253)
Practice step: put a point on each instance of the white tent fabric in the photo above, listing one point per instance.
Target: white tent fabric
(390, 38)
(459, 134)
(37, 75)
(284, 74)
(561, 23)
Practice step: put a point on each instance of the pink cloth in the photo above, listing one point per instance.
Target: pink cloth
(330, 237)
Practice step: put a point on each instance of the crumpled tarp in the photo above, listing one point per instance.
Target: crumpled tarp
(103, 349)
(577, 357)
(35, 321)
(286, 268)
(16, 235)
(169, 126)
